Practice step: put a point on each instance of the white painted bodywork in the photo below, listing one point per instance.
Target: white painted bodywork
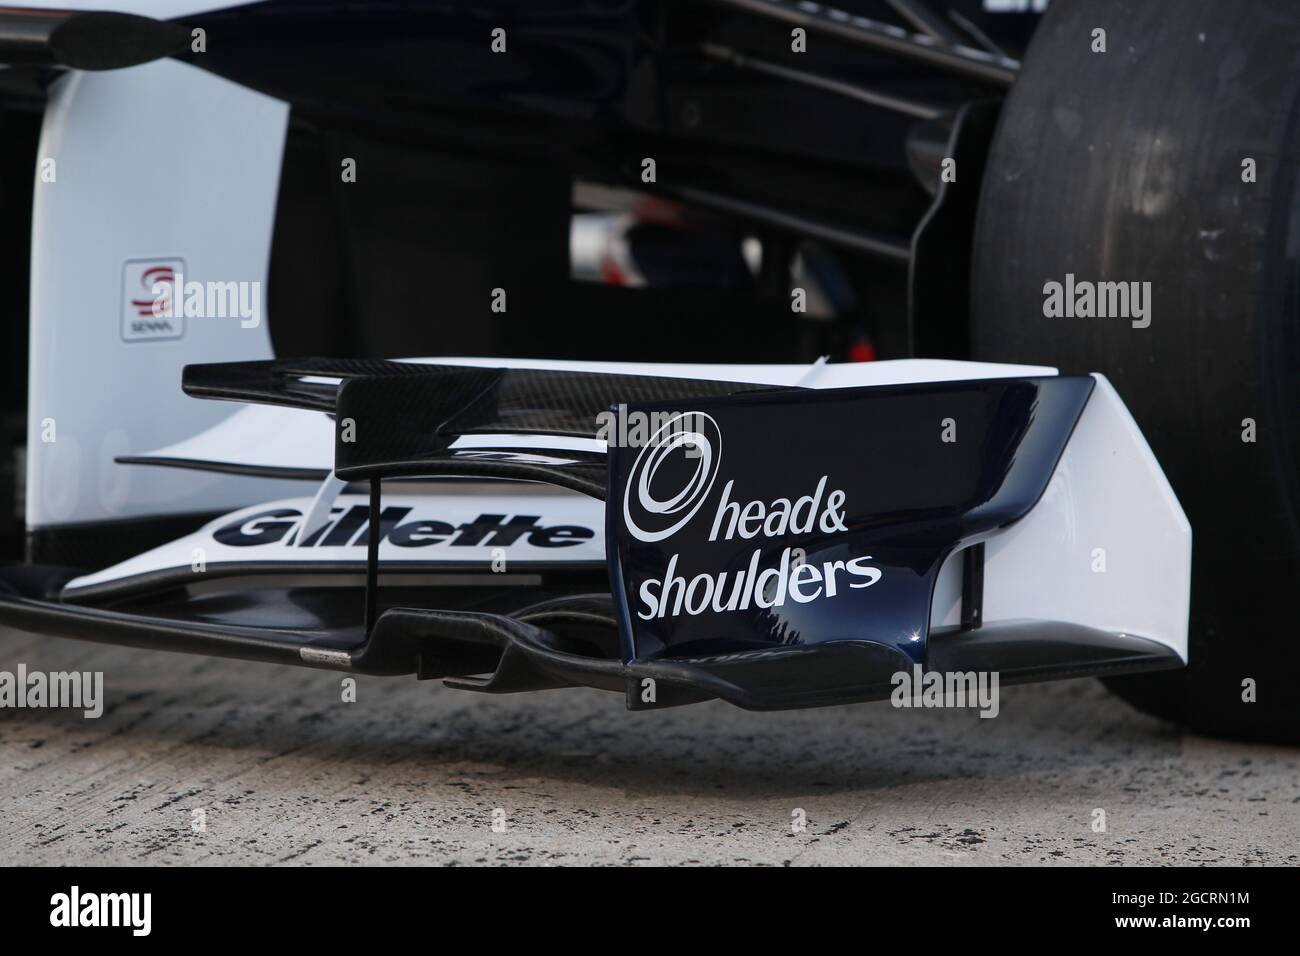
(158, 9)
(156, 162)
(461, 503)
(1107, 546)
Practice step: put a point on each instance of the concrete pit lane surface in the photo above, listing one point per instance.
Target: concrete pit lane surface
(209, 761)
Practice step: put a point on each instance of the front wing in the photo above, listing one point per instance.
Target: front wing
(771, 539)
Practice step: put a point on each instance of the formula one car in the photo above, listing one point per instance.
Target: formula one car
(673, 209)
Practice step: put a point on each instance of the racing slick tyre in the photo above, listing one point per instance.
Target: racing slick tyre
(1172, 158)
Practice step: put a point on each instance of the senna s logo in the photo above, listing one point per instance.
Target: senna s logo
(149, 287)
(672, 476)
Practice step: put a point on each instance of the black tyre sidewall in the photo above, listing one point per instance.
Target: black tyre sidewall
(1127, 166)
